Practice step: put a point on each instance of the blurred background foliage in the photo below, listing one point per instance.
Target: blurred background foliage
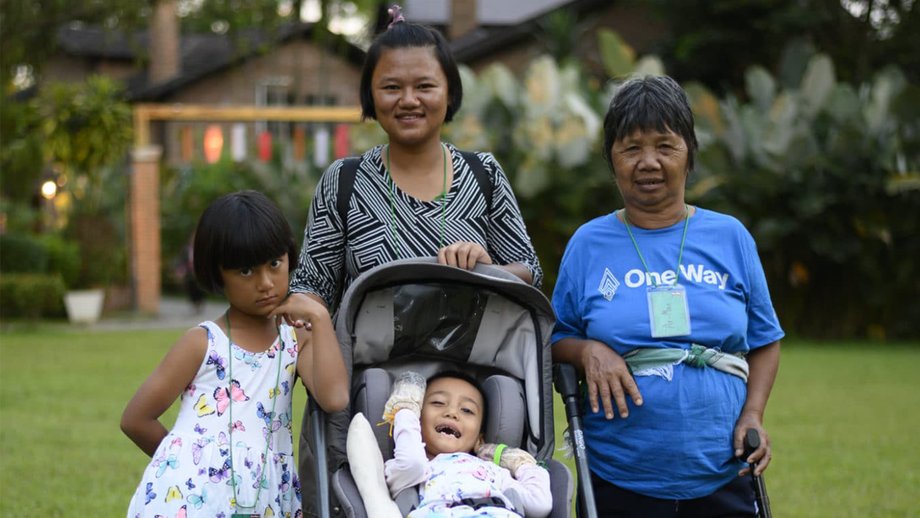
(75, 137)
(715, 42)
(188, 190)
(824, 173)
(28, 28)
(808, 116)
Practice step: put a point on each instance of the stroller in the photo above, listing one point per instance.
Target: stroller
(415, 314)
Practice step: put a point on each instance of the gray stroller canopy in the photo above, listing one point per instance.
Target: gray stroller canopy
(416, 311)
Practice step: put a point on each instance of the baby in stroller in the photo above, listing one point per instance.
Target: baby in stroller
(436, 431)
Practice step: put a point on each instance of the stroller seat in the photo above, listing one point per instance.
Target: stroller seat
(504, 425)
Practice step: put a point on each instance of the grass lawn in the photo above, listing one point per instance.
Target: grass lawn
(843, 418)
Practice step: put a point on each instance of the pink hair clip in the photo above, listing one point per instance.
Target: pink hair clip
(396, 13)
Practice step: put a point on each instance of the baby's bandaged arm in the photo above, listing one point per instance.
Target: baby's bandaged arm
(409, 462)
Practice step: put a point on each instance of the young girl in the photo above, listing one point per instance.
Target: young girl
(231, 451)
(437, 430)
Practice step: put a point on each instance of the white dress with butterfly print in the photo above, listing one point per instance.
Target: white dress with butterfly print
(190, 474)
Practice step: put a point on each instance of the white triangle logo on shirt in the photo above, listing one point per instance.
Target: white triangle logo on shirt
(609, 284)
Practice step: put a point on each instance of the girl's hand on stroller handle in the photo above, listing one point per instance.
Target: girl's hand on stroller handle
(464, 254)
(760, 457)
(301, 310)
(608, 377)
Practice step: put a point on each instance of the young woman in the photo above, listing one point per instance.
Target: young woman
(412, 197)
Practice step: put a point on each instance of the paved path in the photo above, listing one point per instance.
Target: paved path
(175, 313)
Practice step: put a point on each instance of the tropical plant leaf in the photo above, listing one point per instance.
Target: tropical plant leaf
(817, 83)
(649, 66)
(617, 56)
(760, 86)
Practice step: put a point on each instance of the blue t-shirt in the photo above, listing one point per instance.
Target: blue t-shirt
(678, 444)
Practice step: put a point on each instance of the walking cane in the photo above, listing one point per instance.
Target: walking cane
(566, 381)
(751, 443)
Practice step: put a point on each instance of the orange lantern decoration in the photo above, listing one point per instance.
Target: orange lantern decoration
(265, 146)
(213, 143)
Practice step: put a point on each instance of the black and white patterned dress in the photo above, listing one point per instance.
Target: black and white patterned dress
(370, 240)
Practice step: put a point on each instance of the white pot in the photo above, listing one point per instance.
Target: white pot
(84, 306)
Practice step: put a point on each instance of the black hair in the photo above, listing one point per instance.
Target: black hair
(472, 381)
(644, 103)
(240, 230)
(405, 35)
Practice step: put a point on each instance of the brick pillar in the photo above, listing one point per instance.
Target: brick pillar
(164, 42)
(463, 18)
(144, 210)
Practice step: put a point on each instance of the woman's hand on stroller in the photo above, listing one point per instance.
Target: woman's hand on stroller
(464, 254)
(511, 459)
(408, 393)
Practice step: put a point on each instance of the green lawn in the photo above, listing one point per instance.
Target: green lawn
(842, 417)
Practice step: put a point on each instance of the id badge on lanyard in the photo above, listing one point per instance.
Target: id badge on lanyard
(668, 312)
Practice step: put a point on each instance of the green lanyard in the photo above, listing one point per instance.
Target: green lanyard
(270, 428)
(443, 198)
(679, 256)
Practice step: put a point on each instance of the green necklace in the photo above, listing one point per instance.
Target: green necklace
(442, 196)
(270, 429)
(680, 254)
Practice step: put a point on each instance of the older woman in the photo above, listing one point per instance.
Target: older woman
(665, 308)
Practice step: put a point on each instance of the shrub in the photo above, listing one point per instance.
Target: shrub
(826, 175)
(63, 258)
(31, 295)
(22, 253)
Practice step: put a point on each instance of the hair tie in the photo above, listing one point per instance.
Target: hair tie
(396, 13)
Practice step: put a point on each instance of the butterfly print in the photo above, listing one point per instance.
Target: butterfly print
(197, 448)
(248, 358)
(216, 475)
(173, 494)
(149, 494)
(220, 363)
(223, 395)
(198, 500)
(202, 406)
(180, 514)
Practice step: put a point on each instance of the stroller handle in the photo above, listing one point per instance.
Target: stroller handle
(566, 380)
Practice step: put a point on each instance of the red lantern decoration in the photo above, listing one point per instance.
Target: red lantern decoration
(341, 141)
(213, 143)
(265, 146)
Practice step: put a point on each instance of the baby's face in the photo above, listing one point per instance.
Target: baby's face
(451, 417)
